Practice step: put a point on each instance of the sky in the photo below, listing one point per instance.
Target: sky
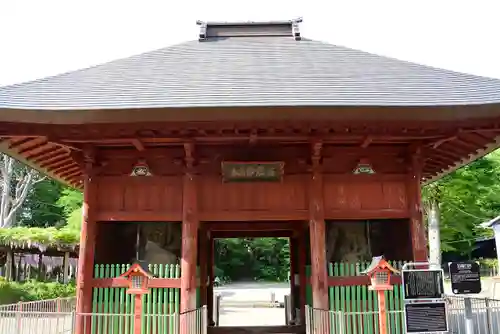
(43, 38)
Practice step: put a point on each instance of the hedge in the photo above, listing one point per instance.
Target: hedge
(13, 292)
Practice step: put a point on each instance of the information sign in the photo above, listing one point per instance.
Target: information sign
(465, 277)
(426, 318)
(423, 284)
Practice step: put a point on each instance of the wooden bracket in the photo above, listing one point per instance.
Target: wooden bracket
(415, 157)
(367, 141)
(253, 137)
(89, 160)
(138, 144)
(189, 155)
(317, 147)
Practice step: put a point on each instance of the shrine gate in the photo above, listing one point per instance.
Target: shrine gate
(251, 130)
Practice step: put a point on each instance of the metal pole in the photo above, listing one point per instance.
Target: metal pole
(287, 316)
(469, 322)
(488, 314)
(217, 309)
(496, 229)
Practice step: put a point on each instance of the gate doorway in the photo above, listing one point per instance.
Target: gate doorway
(252, 280)
(236, 250)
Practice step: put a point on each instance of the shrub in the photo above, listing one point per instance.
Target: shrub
(13, 292)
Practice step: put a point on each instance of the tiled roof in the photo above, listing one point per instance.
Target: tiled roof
(252, 71)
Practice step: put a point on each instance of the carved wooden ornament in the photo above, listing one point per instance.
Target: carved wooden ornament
(141, 168)
(364, 167)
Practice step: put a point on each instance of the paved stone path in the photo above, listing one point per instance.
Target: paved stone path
(238, 301)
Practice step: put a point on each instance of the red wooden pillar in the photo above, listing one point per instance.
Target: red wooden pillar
(293, 272)
(87, 245)
(138, 314)
(417, 226)
(203, 253)
(189, 251)
(302, 276)
(317, 230)
(210, 287)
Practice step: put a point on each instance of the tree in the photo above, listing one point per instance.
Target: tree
(15, 184)
(41, 207)
(467, 198)
(252, 258)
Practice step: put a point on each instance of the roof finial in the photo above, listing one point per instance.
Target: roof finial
(295, 28)
(203, 30)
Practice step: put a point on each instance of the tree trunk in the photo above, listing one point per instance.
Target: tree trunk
(434, 235)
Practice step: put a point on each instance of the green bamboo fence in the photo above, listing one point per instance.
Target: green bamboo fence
(158, 305)
(359, 304)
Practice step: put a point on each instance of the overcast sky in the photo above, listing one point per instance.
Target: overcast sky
(41, 38)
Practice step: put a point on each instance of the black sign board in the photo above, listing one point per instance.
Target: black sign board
(465, 277)
(426, 318)
(423, 284)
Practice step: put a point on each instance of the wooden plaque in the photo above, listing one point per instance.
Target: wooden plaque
(252, 171)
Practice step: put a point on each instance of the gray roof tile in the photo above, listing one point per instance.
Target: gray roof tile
(252, 71)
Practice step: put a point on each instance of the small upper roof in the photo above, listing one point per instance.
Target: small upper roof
(251, 64)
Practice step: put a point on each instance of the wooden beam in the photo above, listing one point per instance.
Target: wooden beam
(32, 145)
(46, 153)
(252, 215)
(65, 160)
(119, 282)
(146, 216)
(357, 280)
(252, 226)
(251, 234)
(71, 167)
(317, 230)
(441, 141)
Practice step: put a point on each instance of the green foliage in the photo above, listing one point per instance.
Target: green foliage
(13, 292)
(50, 204)
(468, 197)
(70, 200)
(26, 237)
(265, 259)
(74, 221)
(39, 208)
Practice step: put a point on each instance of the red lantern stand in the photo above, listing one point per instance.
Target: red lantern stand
(380, 272)
(138, 278)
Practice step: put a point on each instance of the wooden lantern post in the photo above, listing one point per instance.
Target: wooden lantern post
(138, 278)
(380, 272)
